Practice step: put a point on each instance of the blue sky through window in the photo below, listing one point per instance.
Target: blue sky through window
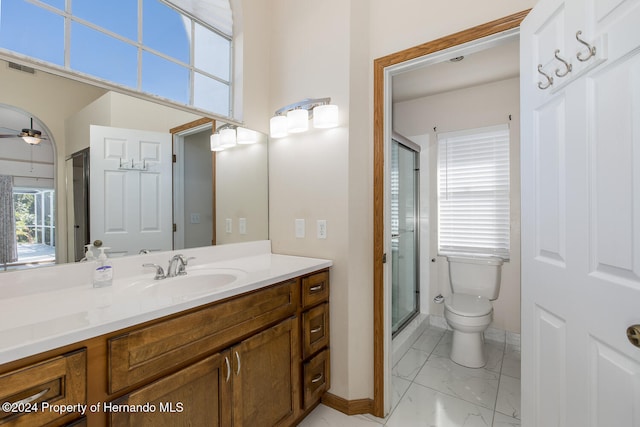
(110, 47)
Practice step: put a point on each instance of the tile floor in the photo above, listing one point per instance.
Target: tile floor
(430, 390)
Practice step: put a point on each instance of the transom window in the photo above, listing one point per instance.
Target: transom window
(473, 192)
(142, 45)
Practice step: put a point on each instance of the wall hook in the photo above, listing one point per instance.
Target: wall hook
(548, 77)
(568, 67)
(592, 49)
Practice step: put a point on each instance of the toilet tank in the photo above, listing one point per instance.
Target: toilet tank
(475, 275)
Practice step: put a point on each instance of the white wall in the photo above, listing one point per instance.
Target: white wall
(242, 191)
(475, 107)
(198, 194)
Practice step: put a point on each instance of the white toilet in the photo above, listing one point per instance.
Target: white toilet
(475, 282)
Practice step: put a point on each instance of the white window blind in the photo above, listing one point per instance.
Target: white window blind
(473, 191)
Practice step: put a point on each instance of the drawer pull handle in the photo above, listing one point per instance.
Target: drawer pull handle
(316, 378)
(226, 360)
(30, 399)
(316, 330)
(238, 360)
(316, 288)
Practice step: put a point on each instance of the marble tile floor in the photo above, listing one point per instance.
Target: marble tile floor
(431, 390)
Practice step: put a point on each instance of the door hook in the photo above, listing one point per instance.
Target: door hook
(568, 67)
(592, 49)
(548, 77)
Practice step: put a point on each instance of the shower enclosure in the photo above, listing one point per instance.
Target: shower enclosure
(405, 281)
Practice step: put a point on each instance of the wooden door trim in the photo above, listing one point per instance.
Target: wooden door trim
(186, 127)
(379, 65)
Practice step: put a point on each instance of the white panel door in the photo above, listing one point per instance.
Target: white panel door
(130, 198)
(580, 213)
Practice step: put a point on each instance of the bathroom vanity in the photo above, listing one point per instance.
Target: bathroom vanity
(253, 351)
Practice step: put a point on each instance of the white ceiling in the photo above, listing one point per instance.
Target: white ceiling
(486, 66)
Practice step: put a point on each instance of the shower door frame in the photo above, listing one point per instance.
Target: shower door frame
(415, 149)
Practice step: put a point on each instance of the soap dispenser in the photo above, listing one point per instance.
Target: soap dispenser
(88, 255)
(103, 272)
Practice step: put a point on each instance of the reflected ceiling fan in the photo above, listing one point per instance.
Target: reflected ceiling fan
(30, 136)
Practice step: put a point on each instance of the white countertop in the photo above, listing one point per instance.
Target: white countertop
(35, 317)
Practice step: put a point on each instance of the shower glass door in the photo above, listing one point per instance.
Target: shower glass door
(405, 301)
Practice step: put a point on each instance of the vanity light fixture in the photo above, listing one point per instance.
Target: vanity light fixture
(295, 117)
(216, 144)
(246, 136)
(229, 135)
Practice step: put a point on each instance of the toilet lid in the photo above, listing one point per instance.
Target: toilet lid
(468, 305)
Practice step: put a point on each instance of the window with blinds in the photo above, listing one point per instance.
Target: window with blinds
(473, 192)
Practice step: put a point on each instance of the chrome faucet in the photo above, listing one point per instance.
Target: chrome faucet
(159, 271)
(177, 267)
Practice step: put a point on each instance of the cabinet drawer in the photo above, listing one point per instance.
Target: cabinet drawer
(316, 378)
(315, 330)
(61, 380)
(315, 288)
(161, 347)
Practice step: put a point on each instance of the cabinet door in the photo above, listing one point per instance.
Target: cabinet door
(265, 384)
(198, 395)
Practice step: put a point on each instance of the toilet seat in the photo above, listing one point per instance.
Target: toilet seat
(468, 305)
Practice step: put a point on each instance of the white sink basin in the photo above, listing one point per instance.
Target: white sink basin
(195, 282)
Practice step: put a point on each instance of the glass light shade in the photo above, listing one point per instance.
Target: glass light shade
(297, 121)
(247, 136)
(325, 116)
(228, 137)
(278, 127)
(32, 140)
(216, 144)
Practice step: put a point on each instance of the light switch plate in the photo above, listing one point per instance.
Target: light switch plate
(300, 228)
(228, 225)
(195, 218)
(242, 225)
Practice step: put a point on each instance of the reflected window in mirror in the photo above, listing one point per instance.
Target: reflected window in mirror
(148, 46)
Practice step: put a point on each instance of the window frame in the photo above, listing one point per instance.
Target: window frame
(67, 71)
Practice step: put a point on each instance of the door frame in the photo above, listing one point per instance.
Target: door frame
(177, 135)
(382, 68)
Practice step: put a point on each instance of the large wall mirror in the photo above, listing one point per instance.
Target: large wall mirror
(214, 197)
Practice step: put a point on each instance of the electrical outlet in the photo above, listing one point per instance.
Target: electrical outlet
(300, 228)
(322, 228)
(242, 225)
(228, 225)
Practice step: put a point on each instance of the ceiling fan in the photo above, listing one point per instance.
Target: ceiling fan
(30, 136)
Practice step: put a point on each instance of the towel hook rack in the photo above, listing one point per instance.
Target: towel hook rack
(592, 49)
(548, 77)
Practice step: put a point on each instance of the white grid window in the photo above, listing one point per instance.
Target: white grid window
(146, 46)
(473, 192)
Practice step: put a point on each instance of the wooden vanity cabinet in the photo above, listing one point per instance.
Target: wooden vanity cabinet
(250, 384)
(256, 359)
